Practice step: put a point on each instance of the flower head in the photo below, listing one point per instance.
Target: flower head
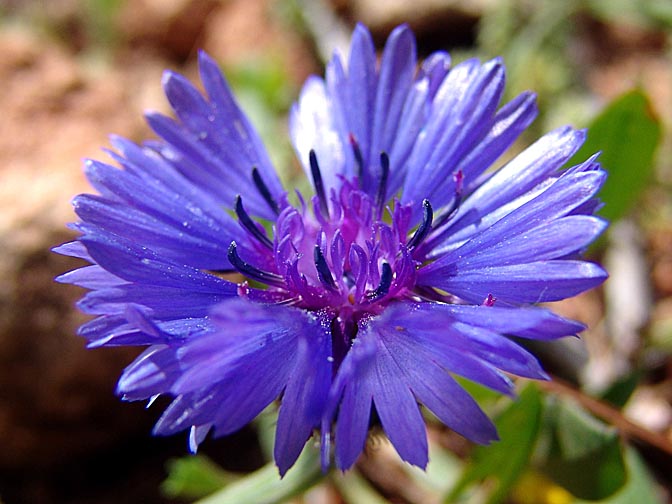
(411, 262)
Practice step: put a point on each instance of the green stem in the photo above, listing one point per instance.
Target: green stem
(265, 486)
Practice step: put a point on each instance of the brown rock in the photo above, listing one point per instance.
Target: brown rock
(175, 27)
(242, 30)
(56, 397)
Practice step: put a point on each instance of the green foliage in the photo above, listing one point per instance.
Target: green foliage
(627, 133)
(266, 78)
(580, 453)
(645, 13)
(505, 461)
(532, 38)
(194, 477)
(640, 486)
(265, 486)
(618, 393)
(99, 17)
(556, 437)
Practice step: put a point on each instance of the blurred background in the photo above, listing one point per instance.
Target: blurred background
(74, 71)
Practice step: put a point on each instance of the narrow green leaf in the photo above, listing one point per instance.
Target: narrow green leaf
(627, 133)
(504, 461)
(640, 487)
(619, 392)
(265, 486)
(194, 477)
(583, 455)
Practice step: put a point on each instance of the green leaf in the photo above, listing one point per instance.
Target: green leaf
(640, 487)
(481, 394)
(518, 427)
(100, 20)
(194, 477)
(627, 132)
(266, 78)
(619, 392)
(265, 486)
(583, 455)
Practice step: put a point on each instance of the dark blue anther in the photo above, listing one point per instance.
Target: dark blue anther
(382, 186)
(250, 225)
(319, 185)
(357, 152)
(250, 271)
(424, 227)
(323, 271)
(385, 283)
(458, 178)
(263, 190)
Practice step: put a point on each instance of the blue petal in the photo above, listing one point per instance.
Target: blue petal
(313, 126)
(532, 236)
(113, 330)
(533, 282)
(170, 239)
(462, 114)
(229, 117)
(351, 393)
(305, 397)
(229, 375)
(382, 110)
(217, 137)
(360, 94)
(397, 69)
(135, 263)
(73, 249)
(164, 302)
(552, 240)
(434, 69)
(509, 122)
(397, 408)
(528, 322)
(90, 277)
(430, 383)
(153, 372)
(116, 330)
(522, 174)
(553, 199)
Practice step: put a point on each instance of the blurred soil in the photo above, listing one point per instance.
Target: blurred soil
(65, 436)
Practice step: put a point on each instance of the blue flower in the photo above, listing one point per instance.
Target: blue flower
(411, 263)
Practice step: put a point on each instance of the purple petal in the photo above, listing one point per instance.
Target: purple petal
(153, 372)
(90, 277)
(360, 94)
(435, 68)
(533, 282)
(523, 173)
(463, 112)
(305, 397)
(134, 263)
(532, 322)
(352, 393)
(397, 408)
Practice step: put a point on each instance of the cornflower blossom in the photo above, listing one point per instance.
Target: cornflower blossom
(411, 263)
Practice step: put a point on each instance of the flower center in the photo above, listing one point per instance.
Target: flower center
(337, 255)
